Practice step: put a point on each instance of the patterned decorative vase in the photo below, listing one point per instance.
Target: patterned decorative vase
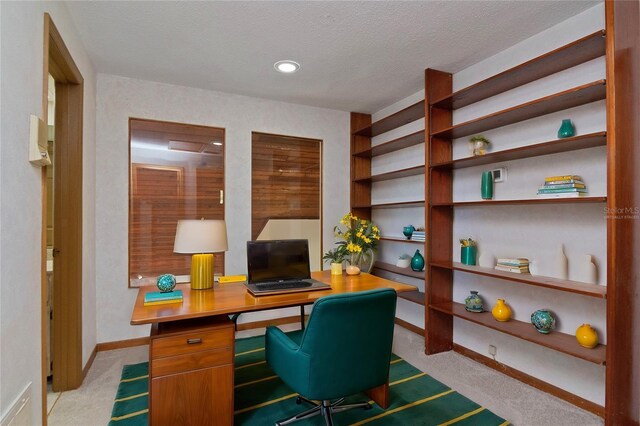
(543, 320)
(408, 231)
(501, 311)
(417, 262)
(566, 129)
(166, 283)
(587, 336)
(473, 302)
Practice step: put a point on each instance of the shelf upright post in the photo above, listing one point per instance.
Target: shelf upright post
(438, 220)
(360, 167)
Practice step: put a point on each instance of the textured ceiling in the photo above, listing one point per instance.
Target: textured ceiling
(354, 56)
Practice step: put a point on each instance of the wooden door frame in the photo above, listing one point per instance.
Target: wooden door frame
(67, 304)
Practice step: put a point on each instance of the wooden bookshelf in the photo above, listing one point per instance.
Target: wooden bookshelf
(574, 97)
(413, 139)
(565, 57)
(407, 272)
(401, 240)
(556, 146)
(577, 287)
(400, 118)
(413, 296)
(396, 174)
(559, 200)
(398, 204)
(560, 342)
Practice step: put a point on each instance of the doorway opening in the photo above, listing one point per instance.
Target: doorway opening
(63, 244)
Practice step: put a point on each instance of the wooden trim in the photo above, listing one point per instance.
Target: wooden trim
(44, 294)
(274, 321)
(414, 328)
(92, 358)
(531, 381)
(121, 344)
(622, 386)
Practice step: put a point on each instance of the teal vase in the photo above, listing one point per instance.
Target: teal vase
(468, 255)
(417, 262)
(486, 186)
(566, 129)
(543, 320)
(166, 282)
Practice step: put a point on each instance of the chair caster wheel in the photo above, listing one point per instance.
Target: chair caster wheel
(298, 400)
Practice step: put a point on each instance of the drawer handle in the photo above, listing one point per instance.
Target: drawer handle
(194, 341)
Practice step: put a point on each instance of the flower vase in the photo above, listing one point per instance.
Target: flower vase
(363, 260)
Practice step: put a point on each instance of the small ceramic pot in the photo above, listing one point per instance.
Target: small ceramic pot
(166, 283)
(501, 311)
(587, 336)
(336, 268)
(408, 231)
(403, 262)
(473, 302)
(468, 255)
(543, 320)
(566, 129)
(353, 270)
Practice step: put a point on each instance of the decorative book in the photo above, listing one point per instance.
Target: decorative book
(160, 298)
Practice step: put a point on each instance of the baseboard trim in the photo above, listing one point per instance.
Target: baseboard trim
(531, 381)
(410, 327)
(273, 321)
(92, 357)
(121, 344)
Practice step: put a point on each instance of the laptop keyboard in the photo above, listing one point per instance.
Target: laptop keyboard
(278, 285)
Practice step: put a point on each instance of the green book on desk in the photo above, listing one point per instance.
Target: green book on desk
(159, 298)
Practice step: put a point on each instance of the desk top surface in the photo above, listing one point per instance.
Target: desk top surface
(232, 298)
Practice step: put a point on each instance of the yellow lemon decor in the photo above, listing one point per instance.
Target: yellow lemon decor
(587, 336)
(501, 311)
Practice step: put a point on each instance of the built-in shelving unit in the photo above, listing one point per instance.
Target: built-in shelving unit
(400, 118)
(440, 133)
(408, 272)
(401, 240)
(561, 342)
(413, 139)
(396, 174)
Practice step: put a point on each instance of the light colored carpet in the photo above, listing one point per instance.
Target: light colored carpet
(523, 405)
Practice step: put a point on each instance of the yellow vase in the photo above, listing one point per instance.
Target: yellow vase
(501, 311)
(587, 336)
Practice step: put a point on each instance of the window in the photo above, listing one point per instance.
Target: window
(176, 172)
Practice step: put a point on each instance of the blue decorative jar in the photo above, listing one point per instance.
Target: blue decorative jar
(417, 262)
(408, 231)
(166, 282)
(543, 320)
(473, 302)
(566, 129)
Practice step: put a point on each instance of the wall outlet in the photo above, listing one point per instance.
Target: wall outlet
(499, 175)
(493, 350)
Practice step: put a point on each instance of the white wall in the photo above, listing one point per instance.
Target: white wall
(119, 98)
(21, 194)
(535, 232)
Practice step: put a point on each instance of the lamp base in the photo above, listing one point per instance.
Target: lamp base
(202, 271)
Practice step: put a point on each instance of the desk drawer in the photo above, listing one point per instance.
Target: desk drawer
(195, 341)
(194, 361)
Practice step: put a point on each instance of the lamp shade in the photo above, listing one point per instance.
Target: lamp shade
(200, 236)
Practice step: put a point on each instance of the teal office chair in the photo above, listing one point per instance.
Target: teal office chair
(345, 349)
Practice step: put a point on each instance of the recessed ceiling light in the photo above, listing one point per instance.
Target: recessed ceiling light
(287, 66)
(216, 143)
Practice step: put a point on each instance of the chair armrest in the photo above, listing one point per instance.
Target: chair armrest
(285, 358)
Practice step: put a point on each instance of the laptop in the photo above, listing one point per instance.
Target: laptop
(280, 266)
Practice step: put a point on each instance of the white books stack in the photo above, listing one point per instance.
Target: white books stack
(418, 236)
(518, 265)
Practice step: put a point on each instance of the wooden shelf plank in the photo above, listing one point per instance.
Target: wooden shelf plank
(395, 145)
(560, 342)
(396, 174)
(559, 200)
(401, 240)
(400, 118)
(408, 272)
(399, 204)
(577, 287)
(551, 147)
(565, 57)
(574, 97)
(413, 296)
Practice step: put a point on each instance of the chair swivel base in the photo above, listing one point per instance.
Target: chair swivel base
(326, 408)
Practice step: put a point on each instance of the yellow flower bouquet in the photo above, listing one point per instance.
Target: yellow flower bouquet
(359, 238)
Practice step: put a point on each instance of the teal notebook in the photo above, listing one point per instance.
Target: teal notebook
(158, 296)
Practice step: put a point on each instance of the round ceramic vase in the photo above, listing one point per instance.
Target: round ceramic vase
(473, 302)
(501, 311)
(543, 320)
(166, 283)
(417, 262)
(587, 336)
(408, 231)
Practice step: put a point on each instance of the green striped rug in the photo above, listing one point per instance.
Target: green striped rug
(261, 397)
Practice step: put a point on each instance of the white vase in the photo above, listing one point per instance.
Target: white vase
(534, 267)
(587, 270)
(486, 259)
(562, 264)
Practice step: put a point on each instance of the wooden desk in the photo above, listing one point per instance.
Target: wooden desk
(199, 353)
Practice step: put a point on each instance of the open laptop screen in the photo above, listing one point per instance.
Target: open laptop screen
(275, 260)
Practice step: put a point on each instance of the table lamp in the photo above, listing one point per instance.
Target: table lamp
(201, 238)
